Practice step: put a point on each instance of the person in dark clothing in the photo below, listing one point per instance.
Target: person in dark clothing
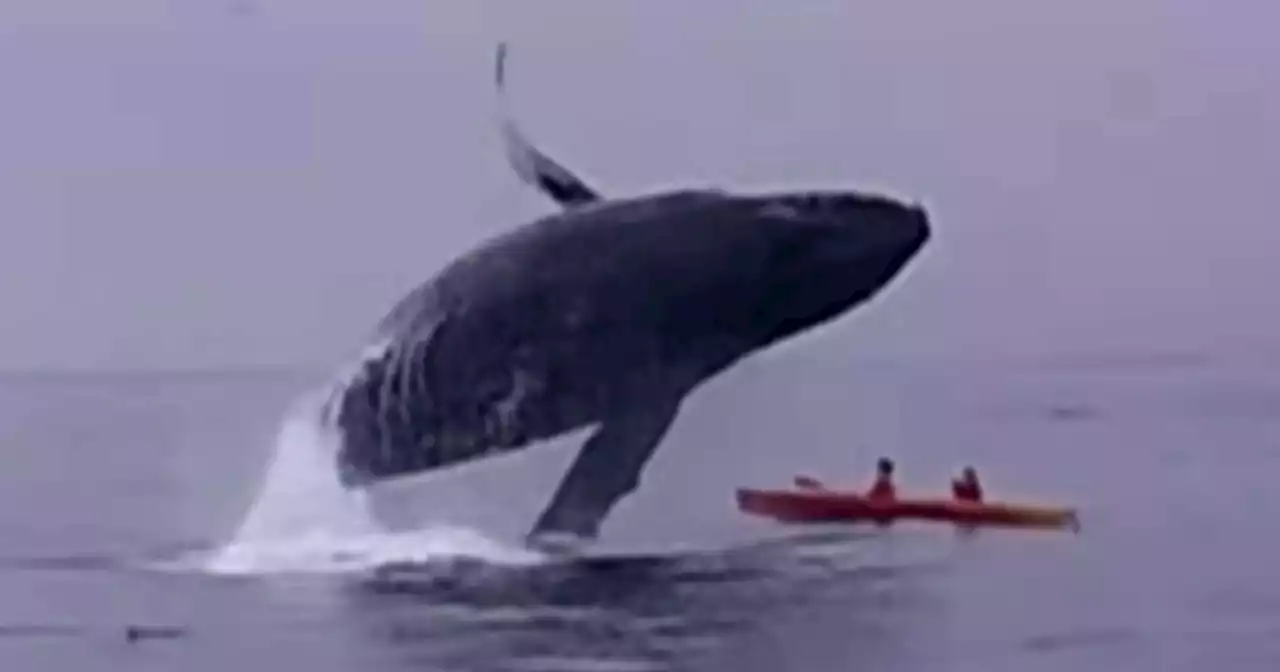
(966, 488)
(883, 487)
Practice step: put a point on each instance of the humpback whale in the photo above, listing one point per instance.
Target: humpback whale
(605, 314)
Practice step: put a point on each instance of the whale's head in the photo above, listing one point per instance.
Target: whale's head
(863, 237)
(829, 251)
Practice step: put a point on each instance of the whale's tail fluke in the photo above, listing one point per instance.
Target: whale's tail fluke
(531, 165)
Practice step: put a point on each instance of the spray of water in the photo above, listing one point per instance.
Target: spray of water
(303, 520)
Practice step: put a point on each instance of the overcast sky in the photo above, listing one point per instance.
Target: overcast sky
(208, 183)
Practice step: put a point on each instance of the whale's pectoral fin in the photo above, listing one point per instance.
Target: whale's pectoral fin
(607, 469)
(532, 166)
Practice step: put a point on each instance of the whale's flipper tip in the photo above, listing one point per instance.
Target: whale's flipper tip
(531, 165)
(500, 64)
(557, 544)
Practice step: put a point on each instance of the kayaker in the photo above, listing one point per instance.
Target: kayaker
(807, 482)
(883, 486)
(966, 488)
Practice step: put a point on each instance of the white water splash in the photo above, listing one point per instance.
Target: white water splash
(304, 521)
(323, 553)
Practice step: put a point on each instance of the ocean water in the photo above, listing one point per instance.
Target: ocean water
(199, 508)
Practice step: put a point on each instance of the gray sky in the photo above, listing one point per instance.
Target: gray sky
(187, 184)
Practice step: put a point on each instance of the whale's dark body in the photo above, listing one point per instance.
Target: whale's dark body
(608, 313)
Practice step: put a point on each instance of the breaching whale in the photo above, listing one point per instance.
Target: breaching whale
(605, 314)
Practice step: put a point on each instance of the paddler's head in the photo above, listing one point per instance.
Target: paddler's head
(884, 467)
(969, 474)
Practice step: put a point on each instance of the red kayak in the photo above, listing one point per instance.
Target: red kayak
(819, 505)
